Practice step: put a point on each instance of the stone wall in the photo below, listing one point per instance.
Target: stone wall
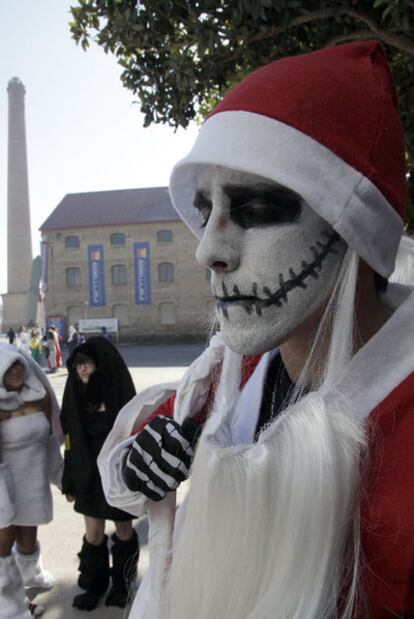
(188, 297)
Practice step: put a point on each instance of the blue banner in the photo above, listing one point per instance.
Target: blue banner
(142, 270)
(96, 275)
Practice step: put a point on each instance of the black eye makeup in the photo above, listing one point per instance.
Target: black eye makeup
(254, 206)
(204, 205)
(262, 205)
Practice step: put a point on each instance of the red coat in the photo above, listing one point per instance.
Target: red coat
(388, 507)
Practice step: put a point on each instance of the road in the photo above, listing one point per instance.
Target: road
(62, 538)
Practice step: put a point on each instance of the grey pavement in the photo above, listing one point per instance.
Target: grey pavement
(62, 538)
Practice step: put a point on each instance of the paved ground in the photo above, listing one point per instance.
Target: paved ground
(61, 539)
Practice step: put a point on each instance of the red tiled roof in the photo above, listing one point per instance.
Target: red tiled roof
(106, 208)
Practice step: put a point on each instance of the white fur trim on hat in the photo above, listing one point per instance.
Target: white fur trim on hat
(337, 192)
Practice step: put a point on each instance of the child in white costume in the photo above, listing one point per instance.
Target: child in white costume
(30, 460)
(300, 502)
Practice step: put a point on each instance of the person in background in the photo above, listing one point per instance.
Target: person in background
(11, 335)
(24, 339)
(51, 347)
(44, 343)
(35, 346)
(30, 460)
(75, 338)
(105, 333)
(98, 386)
(57, 339)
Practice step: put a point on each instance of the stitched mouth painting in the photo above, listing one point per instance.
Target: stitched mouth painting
(256, 303)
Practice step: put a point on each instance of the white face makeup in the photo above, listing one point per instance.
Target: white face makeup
(273, 259)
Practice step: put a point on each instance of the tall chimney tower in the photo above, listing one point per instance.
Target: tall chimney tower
(19, 239)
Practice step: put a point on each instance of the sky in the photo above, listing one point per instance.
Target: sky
(84, 130)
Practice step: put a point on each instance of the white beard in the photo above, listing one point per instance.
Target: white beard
(271, 529)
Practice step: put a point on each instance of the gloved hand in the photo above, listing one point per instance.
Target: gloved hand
(161, 456)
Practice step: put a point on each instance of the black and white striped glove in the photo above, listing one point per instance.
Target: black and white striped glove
(161, 456)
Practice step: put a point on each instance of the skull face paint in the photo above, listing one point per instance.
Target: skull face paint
(273, 259)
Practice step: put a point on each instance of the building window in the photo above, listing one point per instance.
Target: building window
(164, 236)
(120, 311)
(166, 272)
(72, 241)
(118, 238)
(168, 313)
(119, 275)
(73, 277)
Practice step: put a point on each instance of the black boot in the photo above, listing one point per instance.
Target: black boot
(124, 569)
(94, 574)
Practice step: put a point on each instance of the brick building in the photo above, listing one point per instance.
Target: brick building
(125, 254)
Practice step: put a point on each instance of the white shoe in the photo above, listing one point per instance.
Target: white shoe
(12, 599)
(32, 570)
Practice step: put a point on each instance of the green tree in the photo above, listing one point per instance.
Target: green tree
(179, 57)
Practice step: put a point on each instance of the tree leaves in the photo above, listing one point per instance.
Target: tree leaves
(179, 57)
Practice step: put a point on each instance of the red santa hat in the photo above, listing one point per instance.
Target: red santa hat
(324, 124)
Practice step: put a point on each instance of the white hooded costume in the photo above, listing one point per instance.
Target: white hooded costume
(30, 461)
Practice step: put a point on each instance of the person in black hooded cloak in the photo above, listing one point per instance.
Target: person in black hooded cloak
(98, 386)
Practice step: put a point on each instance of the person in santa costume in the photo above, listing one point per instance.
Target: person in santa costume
(30, 460)
(297, 421)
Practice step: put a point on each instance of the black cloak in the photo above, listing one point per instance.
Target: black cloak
(112, 385)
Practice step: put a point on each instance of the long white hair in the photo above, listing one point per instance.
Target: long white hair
(404, 264)
(271, 530)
